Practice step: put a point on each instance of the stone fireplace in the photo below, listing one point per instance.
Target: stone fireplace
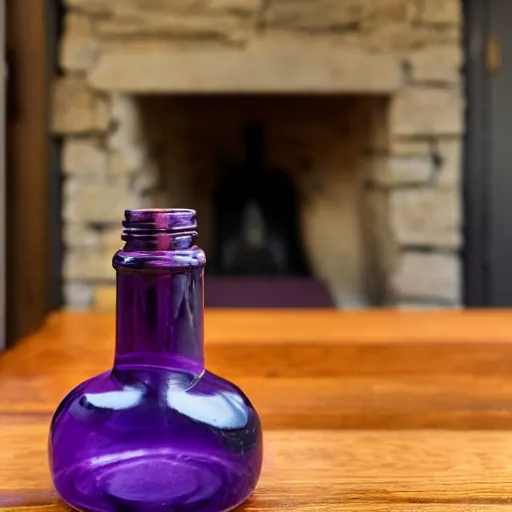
(361, 102)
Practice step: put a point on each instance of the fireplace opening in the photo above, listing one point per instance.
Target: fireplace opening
(281, 185)
(302, 200)
(256, 234)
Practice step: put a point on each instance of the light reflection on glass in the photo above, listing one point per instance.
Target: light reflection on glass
(115, 400)
(223, 410)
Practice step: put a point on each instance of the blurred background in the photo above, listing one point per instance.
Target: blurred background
(339, 153)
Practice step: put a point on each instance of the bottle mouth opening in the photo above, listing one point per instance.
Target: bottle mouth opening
(176, 211)
(153, 221)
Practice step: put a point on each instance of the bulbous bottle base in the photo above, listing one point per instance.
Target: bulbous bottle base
(158, 481)
(145, 440)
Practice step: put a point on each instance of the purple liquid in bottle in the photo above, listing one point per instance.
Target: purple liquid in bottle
(158, 432)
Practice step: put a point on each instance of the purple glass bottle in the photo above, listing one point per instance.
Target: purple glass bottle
(157, 432)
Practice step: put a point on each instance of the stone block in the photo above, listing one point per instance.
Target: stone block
(437, 64)
(246, 7)
(336, 16)
(73, 106)
(77, 295)
(424, 111)
(101, 200)
(110, 238)
(411, 169)
(402, 170)
(83, 156)
(88, 265)
(387, 12)
(78, 235)
(91, 7)
(263, 67)
(104, 300)
(78, 47)
(127, 140)
(426, 217)
(319, 14)
(204, 27)
(449, 152)
(213, 21)
(102, 113)
(118, 7)
(405, 36)
(441, 12)
(117, 165)
(427, 276)
(76, 109)
(411, 147)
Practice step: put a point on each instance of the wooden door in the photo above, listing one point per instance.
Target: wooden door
(488, 155)
(27, 167)
(499, 188)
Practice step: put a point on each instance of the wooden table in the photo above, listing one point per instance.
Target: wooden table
(374, 411)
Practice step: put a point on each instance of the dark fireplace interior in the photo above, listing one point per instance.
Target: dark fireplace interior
(257, 242)
(250, 166)
(256, 216)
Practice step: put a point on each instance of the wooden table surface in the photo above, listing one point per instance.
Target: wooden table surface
(373, 411)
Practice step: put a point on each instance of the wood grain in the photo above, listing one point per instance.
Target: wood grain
(450, 402)
(313, 369)
(318, 470)
(377, 411)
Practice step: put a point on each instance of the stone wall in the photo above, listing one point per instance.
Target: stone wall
(404, 56)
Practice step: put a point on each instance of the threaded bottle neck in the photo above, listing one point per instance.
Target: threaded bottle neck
(160, 291)
(159, 229)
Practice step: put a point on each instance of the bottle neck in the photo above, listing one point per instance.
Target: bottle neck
(159, 300)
